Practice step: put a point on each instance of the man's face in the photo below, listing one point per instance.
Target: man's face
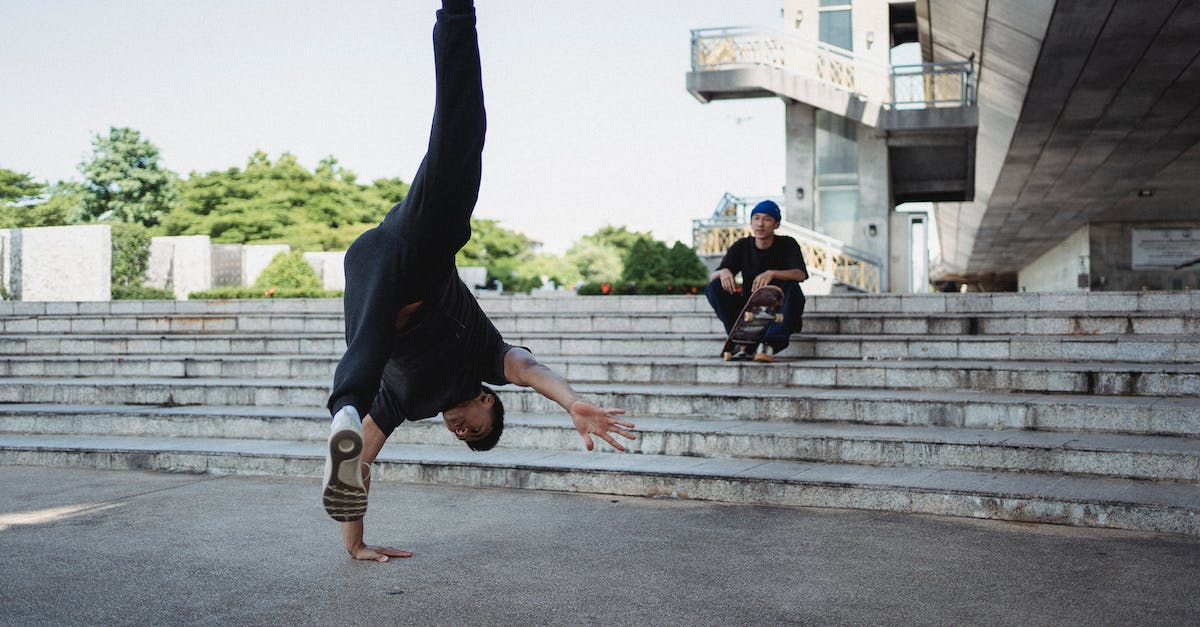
(763, 225)
(472, 420)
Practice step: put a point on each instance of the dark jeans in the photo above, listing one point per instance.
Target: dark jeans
(410, 255)
(729, 306)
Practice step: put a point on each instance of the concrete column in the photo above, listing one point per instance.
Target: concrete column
(800, 173)
(899, 252)
(874, 196)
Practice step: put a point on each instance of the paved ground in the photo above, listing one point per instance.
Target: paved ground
(99, 547)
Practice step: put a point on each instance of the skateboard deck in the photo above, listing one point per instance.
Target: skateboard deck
(764, 308)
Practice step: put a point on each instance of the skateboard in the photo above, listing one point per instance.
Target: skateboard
(764, 308)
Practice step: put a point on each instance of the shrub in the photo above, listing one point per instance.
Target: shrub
(289, 271)
(130, 256)
(140, 292)
(644, 288)
(684, 265)
(231, 293)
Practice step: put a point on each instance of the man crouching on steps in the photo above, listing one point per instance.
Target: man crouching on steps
(417, 342)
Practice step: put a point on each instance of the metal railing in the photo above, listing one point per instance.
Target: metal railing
(933, 84)
(823, 255)
(902, 86)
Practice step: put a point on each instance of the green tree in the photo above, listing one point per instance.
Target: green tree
(646, 261)
(618, 237)
(281, 201)
(683, 264)
(553, 267)
(17, 187)
(64, 205)
(600, 257)
(123, 180)
(23, 203)
(19, 206)
(596, 261)
(390, 190)
(492, 244)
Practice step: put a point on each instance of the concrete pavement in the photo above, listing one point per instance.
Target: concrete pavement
(81, 546)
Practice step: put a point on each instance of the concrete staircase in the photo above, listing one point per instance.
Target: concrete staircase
(1080, 409)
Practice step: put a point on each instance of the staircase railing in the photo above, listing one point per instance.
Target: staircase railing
(901, 86)
(824, 255)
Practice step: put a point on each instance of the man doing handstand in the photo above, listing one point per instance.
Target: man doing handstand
(417, 342)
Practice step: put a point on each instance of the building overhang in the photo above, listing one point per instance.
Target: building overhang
(1089, 112)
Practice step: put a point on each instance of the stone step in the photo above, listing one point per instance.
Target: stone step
(1099, 348)
(1117, 348)
(1027, 497)
(1135, 457)
(1154, 301)
(322, 344)
(848, 323)
(1098, 378)
(1046, 412)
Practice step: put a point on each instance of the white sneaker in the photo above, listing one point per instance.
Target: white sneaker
(345, 495)
(765, 353)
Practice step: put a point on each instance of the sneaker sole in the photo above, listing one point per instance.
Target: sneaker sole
(345, 502)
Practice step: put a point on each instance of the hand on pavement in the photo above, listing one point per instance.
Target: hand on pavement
(377, 553)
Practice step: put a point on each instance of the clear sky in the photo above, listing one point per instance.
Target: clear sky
(589, 122)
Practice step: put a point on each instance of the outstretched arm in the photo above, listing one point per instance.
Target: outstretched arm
(522, 369)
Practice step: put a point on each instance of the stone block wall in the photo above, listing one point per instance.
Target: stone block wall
(182, 264)
(330, 267)
(58, 263)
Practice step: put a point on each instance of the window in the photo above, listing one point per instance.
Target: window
(837, 211)
(835, 25)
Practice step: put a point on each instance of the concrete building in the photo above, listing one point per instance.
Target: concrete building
(1044, 145)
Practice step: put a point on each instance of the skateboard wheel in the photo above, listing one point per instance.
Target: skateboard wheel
(779, 317)
(749, 316)
(727, 355)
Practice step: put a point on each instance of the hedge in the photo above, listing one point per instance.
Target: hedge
(229, 293)
(139, 292)
(644, 288)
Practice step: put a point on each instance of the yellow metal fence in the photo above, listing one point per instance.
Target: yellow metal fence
(820, 257)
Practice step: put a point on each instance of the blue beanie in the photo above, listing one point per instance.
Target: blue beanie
(768, 207)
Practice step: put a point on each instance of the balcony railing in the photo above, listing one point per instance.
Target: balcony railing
(901, 86)
(933, 85)
(824, 255)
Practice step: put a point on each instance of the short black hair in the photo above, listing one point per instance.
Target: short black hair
(488, 442)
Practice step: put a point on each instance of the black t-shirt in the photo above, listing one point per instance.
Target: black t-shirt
(440, 360)
(744, 257)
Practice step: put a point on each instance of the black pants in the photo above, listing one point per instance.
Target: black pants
(729, 306)
(410, 255)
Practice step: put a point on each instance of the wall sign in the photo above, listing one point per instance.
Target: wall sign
(1155, 249)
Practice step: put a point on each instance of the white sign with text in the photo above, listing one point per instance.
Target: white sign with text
(1164, 248)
